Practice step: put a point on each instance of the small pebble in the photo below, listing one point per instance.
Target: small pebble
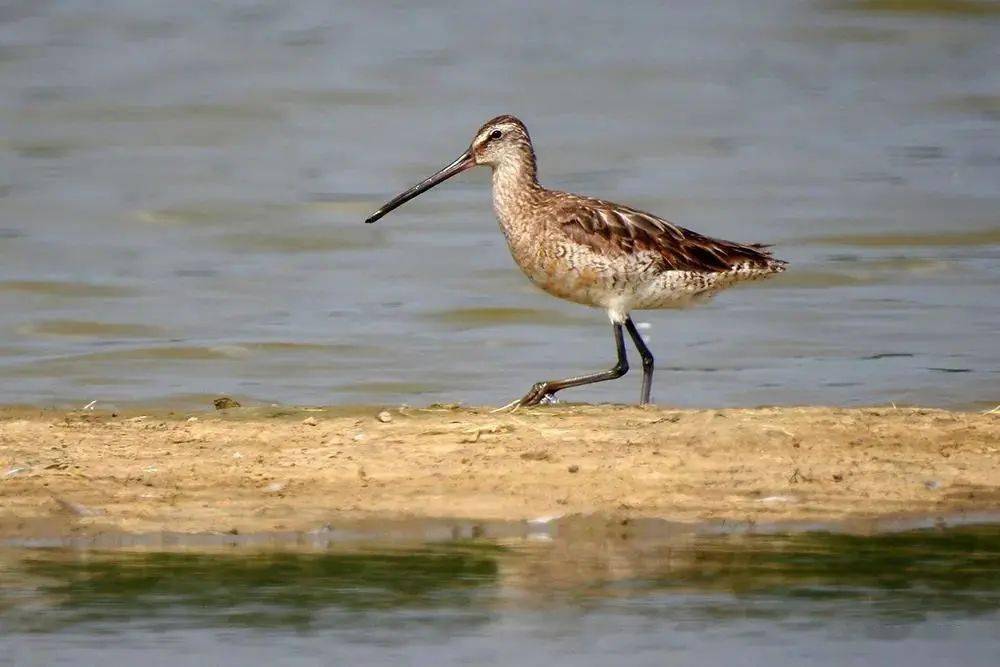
(359, 437)
(224, 402)
(310, 421)
(777, 499)
(574, 468)
(192, 419)
(76, 508)
(384, 417)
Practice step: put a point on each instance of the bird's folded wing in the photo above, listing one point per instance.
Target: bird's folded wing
(613, 230)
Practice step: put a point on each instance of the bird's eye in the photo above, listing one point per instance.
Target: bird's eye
(496, 134)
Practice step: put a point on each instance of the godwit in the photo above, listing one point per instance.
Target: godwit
(595, 252)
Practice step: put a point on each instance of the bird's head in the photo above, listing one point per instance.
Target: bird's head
(501, 141)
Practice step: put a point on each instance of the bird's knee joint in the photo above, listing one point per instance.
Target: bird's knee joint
(647, 364)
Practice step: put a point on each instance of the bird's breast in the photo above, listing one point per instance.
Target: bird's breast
(561, 268)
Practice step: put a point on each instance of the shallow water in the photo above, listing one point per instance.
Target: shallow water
(926, 597)
(182, 187)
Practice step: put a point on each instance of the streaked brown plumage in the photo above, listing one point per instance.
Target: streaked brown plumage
(595, 252)
(613, 229)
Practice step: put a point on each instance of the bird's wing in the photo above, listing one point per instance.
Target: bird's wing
(611, 229)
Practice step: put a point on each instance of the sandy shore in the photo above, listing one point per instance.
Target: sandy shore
(251, 470)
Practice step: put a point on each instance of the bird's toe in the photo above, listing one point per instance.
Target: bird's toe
(536, 394)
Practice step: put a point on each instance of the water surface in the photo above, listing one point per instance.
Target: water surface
(182, 187)
(926, 597)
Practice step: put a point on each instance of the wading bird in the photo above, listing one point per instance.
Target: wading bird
(595, 252)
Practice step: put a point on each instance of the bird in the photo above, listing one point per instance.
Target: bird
(594, 252)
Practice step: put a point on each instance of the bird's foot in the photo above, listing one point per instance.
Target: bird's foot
(537, 395)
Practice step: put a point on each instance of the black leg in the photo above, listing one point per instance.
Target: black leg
(548, 388)
(647, 360)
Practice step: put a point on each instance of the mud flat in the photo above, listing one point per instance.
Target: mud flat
(249, 470)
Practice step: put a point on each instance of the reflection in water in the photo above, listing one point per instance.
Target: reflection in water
(255, 590)
(892, 577)
(959, 7)
(574, 598)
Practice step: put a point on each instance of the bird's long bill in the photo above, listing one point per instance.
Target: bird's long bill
(464, 161)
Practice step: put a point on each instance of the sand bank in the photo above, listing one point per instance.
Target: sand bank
(271, 469)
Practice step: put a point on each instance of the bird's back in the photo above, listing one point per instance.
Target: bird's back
(614, 230)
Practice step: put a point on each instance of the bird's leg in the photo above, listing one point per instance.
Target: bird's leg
(548, 388)
(647, 360)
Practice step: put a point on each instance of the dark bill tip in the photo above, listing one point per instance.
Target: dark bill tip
(464, 161)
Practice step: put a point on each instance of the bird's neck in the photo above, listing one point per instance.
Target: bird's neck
(515, 187)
